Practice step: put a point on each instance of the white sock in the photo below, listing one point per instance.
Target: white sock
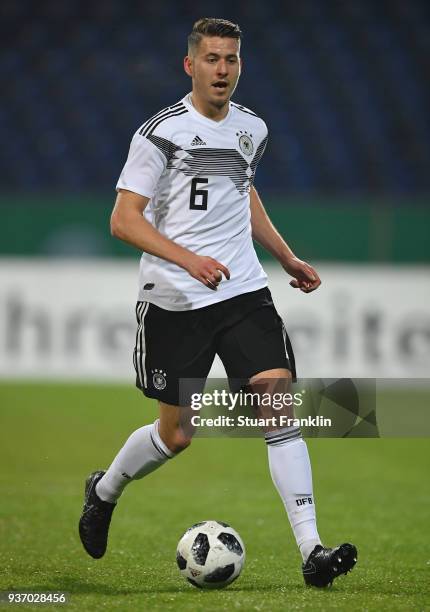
(143, 452)
(291, 473)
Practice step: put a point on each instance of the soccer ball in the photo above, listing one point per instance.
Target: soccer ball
(210, 555)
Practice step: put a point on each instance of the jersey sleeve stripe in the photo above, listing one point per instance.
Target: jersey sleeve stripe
(168, 108)
(164, 110)
(150, 127)
(244, 109)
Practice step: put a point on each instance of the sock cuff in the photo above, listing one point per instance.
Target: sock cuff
(158, 442)
(282, 436)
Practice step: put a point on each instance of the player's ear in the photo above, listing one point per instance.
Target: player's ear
(188, 65)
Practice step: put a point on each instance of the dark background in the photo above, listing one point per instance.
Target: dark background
(343, 87)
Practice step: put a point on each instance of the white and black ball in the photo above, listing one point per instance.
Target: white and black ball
(210, 555)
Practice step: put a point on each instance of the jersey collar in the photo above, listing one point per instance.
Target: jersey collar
(187, 101)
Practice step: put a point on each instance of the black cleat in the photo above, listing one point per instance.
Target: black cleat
(326, 564)
(95, 518)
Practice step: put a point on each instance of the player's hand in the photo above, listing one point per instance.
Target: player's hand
(207, 270)
(304, 275)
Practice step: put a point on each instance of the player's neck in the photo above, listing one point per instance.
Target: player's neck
(209, 110)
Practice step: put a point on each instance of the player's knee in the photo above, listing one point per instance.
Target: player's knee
(177, 441)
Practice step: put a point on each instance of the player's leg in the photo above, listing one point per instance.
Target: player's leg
(175, 429)
(289, 464)
(146, 450)
(258, 349)
(291, 473)
(159, 370)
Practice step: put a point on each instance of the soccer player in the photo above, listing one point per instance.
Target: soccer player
(186, 199)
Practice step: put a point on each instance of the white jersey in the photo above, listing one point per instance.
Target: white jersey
(197, 173)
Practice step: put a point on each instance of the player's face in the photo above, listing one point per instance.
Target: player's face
(215, 69)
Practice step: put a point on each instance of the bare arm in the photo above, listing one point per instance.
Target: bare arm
(264, 232)
(128, 224)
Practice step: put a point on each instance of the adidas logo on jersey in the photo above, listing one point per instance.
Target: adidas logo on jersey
(197, 141)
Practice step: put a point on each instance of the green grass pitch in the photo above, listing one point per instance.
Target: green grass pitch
(373, 492)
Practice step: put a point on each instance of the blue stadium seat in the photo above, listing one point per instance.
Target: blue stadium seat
(343, 88)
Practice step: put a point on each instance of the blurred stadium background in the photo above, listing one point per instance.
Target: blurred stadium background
(344, 89)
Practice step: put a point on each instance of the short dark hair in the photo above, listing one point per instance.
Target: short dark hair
(211, 26)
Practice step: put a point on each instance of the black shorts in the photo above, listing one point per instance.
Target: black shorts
(245, 331)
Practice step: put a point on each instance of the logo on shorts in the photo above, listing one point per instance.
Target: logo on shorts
(245, 143)
(159, 379)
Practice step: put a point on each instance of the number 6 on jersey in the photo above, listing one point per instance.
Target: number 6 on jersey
(203, 193)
